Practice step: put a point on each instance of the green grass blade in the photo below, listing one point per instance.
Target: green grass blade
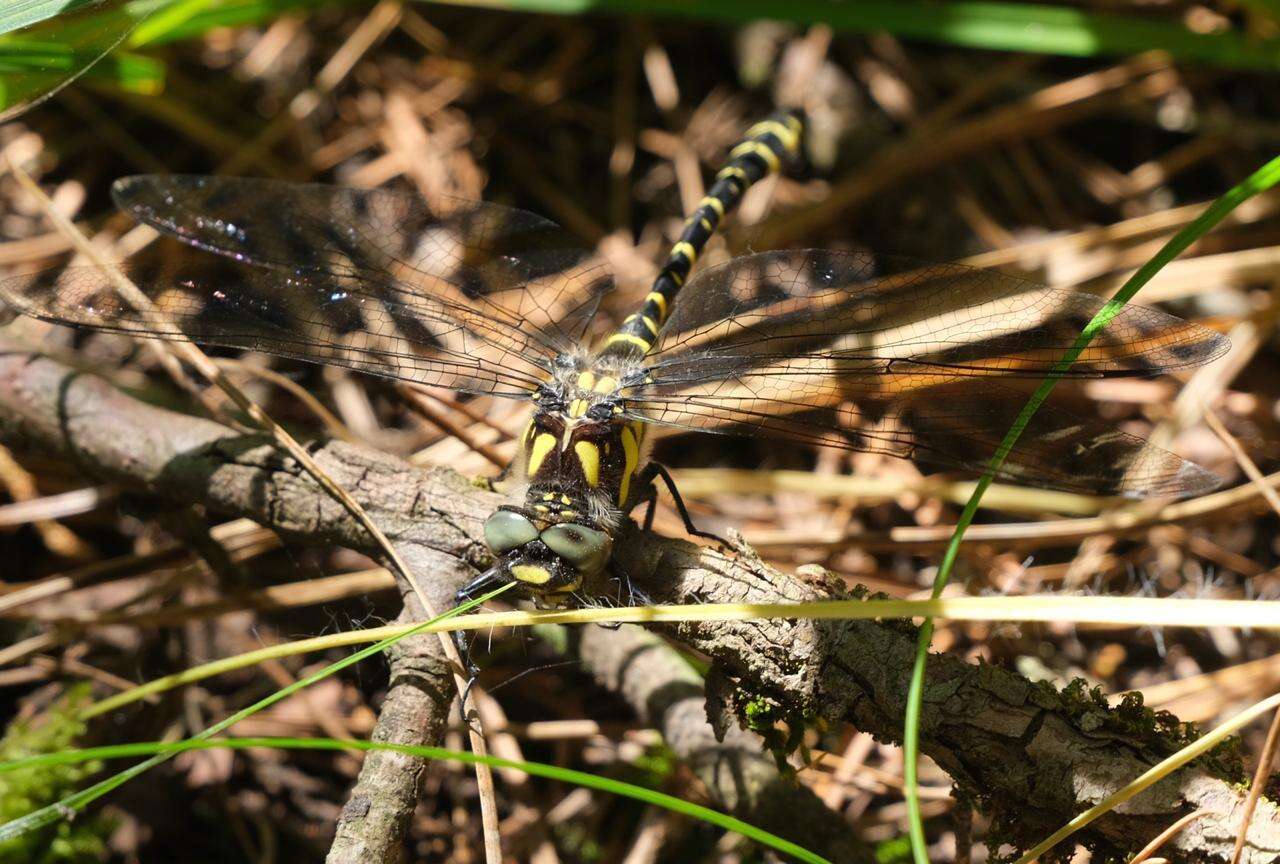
(40, 60)
(199, 17)
(67, 806)
(1261, 180)
(1041, 29)
(17, 14)
(1117, 611)
(537, 769)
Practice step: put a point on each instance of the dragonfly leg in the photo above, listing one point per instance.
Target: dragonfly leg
(482, 584)
(654, 471)
(634, 596)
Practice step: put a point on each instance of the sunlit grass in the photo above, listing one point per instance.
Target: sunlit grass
(1261, 180)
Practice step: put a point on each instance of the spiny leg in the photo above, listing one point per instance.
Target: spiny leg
(655, 470)
(635, 596)
(482, 584)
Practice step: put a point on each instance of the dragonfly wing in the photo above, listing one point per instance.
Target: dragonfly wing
(950, 424)
(349, 320)
(837, 307)
(811, 346)
(509, 263)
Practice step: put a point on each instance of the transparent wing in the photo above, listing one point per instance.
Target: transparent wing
(468, 295)
(352, 320)
(812, 346)
(512, 264)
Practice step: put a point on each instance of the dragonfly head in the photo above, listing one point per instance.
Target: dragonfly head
(552, 559)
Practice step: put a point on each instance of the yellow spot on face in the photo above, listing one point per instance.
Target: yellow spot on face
(607, 384)
(656, 298)
(531, 574)
(627, 337)
(572, 586)
(589, 459)
(538, 451)
(586, 380)
(687, 250)
(714, 203)
(631, 458)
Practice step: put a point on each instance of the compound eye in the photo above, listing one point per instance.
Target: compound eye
(585, 548)
(506, 529)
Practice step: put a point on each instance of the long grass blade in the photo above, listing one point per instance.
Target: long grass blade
(69, 805)
(536, 769)
(1118, 611)
(1040, 29)
(1261, 180)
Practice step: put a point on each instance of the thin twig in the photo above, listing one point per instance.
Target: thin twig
(1168, 834)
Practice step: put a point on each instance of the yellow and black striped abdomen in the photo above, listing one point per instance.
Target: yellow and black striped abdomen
(767, 146)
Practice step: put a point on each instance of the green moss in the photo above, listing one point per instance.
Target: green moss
(22, 792)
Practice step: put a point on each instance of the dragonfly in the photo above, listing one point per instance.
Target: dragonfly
(816, 346)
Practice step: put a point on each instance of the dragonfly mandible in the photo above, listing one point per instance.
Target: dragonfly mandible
(821, 347)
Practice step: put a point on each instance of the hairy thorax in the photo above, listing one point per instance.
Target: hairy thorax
(580, 452)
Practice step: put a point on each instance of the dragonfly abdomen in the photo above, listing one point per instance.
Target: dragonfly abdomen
(765, 148)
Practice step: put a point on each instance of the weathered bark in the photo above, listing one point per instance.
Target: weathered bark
(376, 817)
(739, 774)
(1033, 756)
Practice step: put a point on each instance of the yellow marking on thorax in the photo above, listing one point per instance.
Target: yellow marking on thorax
(531, 574)
(542, 445)
(631, 458)
(586, 380)
(589, 459)
(606, 385)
